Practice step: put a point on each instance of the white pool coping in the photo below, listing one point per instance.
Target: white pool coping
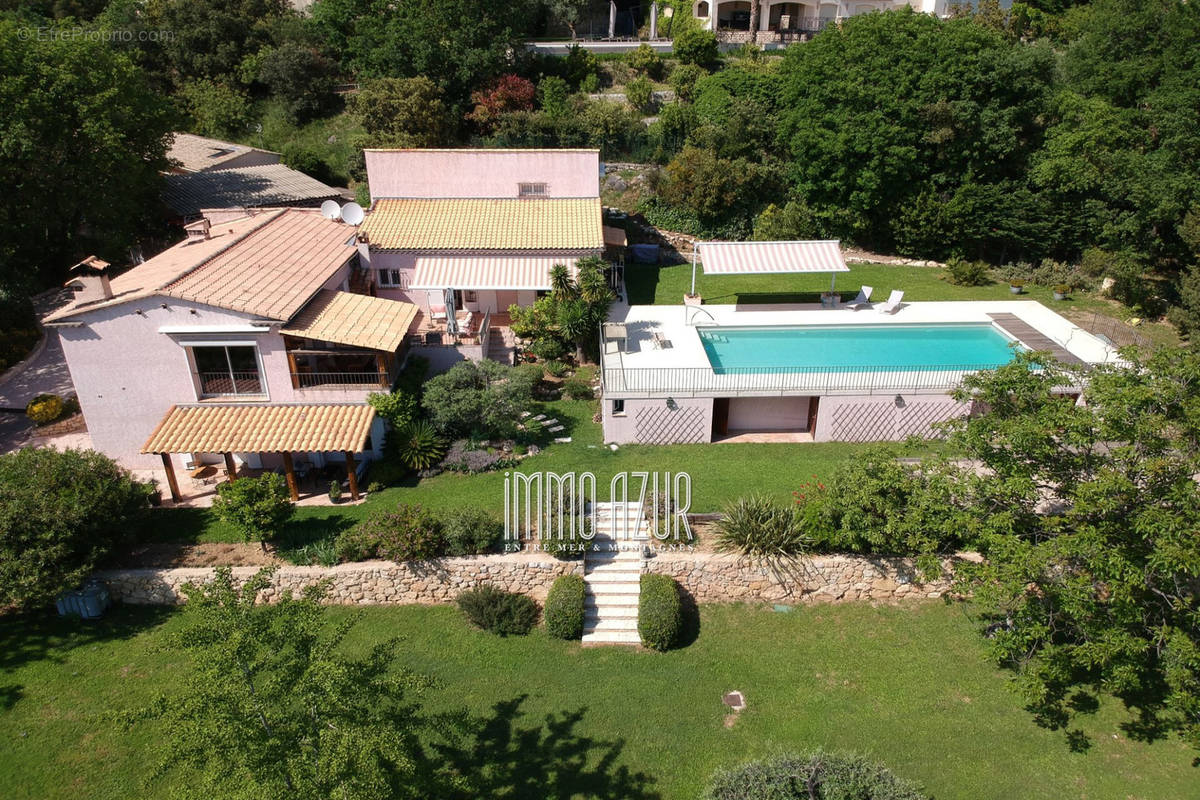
(686, 350)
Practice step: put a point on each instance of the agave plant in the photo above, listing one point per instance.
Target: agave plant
(419, 445)
(758, 527)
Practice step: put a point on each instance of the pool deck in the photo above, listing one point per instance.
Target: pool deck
(1028, 321)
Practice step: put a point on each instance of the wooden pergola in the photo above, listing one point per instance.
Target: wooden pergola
(252, 428)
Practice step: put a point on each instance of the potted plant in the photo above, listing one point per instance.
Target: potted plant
(1060, 291)
(335, 491)
(1016, 286)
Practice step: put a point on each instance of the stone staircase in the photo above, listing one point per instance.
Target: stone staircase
(502, 345)
(612, 576)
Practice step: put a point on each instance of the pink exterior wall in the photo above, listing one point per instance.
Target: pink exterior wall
(768, 414)
(651, 421)
(481, 173)
(871, 418)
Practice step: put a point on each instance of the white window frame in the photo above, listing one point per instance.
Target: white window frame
(198, 387)
(618, 407)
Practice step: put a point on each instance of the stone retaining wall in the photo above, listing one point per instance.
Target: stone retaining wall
(361, 583)
(823, 579)
(709, 578)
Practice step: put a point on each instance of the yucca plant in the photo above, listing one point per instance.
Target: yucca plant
(759, 527)
(419, 445)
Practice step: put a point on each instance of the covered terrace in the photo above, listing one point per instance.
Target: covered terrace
(274, 433)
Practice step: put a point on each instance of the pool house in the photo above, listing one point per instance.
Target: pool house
(809, 372)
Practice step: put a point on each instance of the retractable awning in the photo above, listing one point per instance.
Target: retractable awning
(485, 272)
(765, 258)
(242, 428)
(357, 320)
(748, 258)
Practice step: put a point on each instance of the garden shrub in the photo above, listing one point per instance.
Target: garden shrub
(814, 775)
(556, 369)
(578, 389)
(399, 407)
(962, 272)
(660, 612)
(468, 531)
(485, 396)
(463, 456)
(684, 79)
(410, 533)
(44, 409)
(697, 47)
(257, 508)
(564, 607)
(418, 445)
(335, 491)
(759, 527)
(61, 513)
(639, 93)
(493, 609)
(646, 61)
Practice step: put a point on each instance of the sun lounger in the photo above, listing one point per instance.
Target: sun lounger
(893, 302)
(862, 301)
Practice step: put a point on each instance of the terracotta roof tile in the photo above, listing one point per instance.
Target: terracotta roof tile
(558, 223)
(357, 320)
(242, 428)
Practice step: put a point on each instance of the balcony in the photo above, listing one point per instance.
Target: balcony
(620, 381)
(228, 383)
(341, 380)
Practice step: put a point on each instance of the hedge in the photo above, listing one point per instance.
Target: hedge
(660, 612)
(493, 609)
(814, 775)
(564, 607)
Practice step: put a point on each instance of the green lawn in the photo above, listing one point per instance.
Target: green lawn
(720, 473)
(907, 685)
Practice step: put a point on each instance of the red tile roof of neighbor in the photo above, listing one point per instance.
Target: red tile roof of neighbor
(269, 264)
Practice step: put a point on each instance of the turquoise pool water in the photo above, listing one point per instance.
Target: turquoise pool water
(848, 347)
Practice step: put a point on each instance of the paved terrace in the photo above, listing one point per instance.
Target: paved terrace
(680, 366)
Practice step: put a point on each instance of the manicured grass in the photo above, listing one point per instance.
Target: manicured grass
(720, 473)
(908, 686)
(651, 284)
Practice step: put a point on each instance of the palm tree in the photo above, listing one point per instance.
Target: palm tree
(574, 322)
(561, 285)
(753, 19)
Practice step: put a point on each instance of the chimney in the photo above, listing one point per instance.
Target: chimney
(197, 230)
(90, 280)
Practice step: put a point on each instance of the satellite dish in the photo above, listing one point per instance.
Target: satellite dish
(331, 210)
(352, 213)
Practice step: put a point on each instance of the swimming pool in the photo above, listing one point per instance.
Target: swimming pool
(856, 347)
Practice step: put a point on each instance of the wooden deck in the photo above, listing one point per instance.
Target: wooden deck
(1034, 339)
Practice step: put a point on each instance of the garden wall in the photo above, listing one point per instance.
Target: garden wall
(822, 579)
(361, 583)
(709, 578)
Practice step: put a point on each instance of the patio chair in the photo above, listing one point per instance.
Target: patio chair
(893, 302)
(863, 300)
(437, 313)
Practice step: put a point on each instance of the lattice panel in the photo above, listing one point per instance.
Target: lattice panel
(916, 419)
(862, 422)
(661, 425)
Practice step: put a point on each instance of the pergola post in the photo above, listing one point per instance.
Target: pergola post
(612, 19)
(172, 481)
(230, 467)
(289, 472)
(350, 476)
(653, 20)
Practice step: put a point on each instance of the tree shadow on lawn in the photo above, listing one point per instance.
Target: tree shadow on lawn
(44, 636)
(496, 756)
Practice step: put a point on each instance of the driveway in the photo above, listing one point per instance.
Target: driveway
(45, 372)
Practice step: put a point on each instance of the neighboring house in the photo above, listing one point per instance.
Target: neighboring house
(789, 21)
(241, 344)
(192, 153)
(234, 190)
(464, 234)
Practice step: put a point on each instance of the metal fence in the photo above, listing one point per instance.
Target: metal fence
(736, 381)
(230, 384)
(338, 380)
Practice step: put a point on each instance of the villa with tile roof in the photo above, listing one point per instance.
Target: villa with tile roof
(242, 345)
(465, 234)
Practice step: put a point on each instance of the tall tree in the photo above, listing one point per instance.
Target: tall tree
(273, 708)
(82, 140)
(1086, 517)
